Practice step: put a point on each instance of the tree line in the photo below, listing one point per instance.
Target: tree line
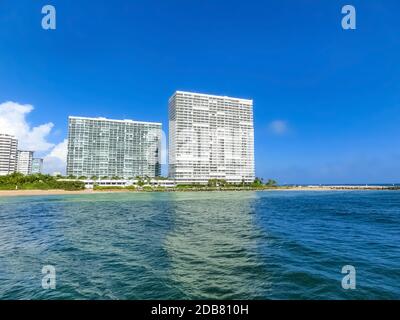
(18, 181)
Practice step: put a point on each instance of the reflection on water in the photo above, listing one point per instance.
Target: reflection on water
(120, 238)
(213, 246)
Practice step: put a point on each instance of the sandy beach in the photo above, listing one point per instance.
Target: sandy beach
(15, 193)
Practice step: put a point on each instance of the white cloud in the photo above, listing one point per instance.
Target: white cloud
(278, 127)
(56, 160)
(13, 121)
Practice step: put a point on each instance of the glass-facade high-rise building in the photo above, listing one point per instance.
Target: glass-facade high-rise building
(113, 148)
(210, 137)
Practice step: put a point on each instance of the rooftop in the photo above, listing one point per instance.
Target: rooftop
(113, 120)
(213, 96)
(7, 135)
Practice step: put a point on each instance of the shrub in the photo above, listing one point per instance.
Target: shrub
(37, 182)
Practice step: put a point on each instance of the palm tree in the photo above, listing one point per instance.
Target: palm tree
(271, 183)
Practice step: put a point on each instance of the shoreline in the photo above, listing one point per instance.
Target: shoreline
(16, 193)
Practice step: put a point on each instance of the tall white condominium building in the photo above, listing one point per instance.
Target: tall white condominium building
(24, 162)
(37, 165)
(8, 154)
(210, 137)
(113, 148)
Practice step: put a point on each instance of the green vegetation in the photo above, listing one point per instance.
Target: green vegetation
(271, 183)
(217, 183)
(37, 182)
(109, 188)
(140, 182)
(258, 182)
(17, 181)
(223, 185)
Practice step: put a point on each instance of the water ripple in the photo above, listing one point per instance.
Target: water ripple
(239, 245)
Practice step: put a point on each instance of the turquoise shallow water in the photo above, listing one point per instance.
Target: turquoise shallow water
(243, 245)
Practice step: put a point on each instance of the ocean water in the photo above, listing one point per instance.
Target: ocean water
(228, 245)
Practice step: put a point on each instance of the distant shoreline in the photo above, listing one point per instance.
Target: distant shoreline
(15, 193)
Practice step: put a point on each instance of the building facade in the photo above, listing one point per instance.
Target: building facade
(8, 154)
(24, 162)
(210, 137)
(102, 147)
(37, 165)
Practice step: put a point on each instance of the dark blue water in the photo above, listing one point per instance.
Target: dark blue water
(243, 245)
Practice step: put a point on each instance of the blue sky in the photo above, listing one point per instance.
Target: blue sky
(326, 100)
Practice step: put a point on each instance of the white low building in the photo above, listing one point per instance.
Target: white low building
(90, 183)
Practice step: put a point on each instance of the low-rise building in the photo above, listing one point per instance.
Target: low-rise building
(90, 183)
